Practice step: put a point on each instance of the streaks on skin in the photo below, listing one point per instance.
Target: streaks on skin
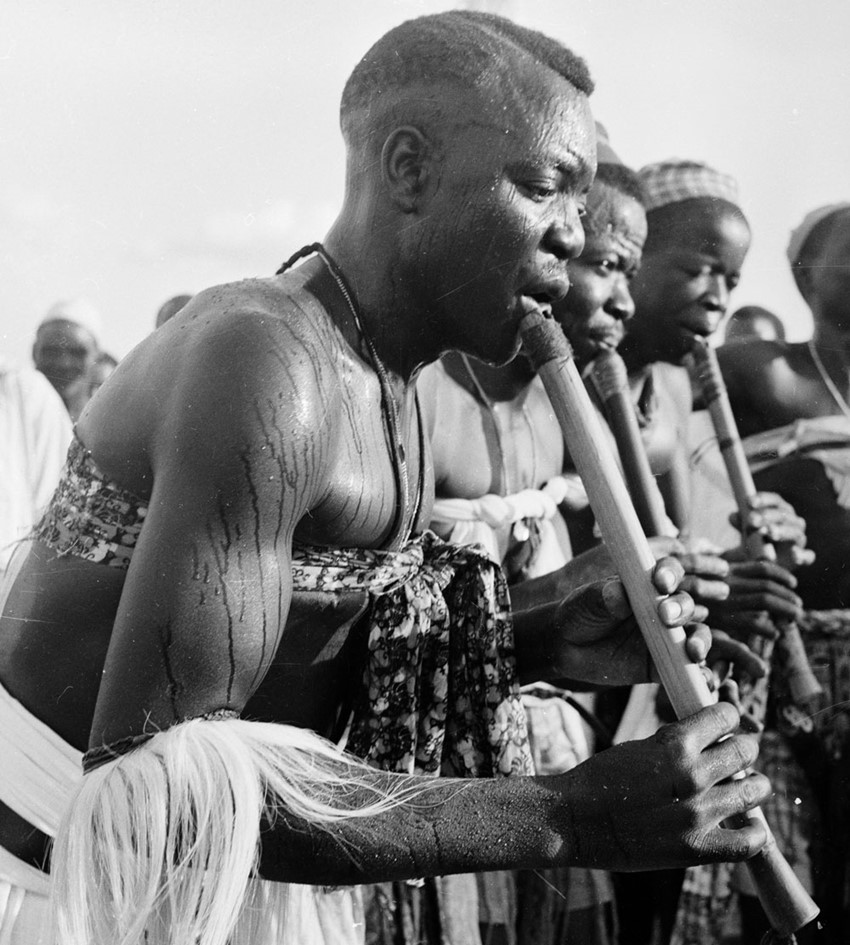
(258, 550)
(166, 636)
(220, 550)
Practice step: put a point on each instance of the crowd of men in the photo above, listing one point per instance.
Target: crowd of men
(316, 641)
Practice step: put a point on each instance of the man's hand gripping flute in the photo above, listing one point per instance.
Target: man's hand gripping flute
(787, 905)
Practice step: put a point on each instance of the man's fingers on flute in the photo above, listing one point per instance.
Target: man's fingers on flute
(703, 728)
(668, 574)
(677, 609)
(761, 571)
(778, 606)
(704, 565)
(727, 650)
(698, 642)
(728, 845)
(729, 757)
(704, 589)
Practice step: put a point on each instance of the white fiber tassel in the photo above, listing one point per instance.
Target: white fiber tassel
(160, 846)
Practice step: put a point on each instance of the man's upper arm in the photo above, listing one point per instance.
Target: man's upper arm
(236, 461)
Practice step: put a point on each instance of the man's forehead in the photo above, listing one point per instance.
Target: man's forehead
(522, 96)
(610, 211)
(65, 328)
(838, 236)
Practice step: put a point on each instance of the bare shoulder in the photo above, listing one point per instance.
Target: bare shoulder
(764, 382)
(241, 363)
(757, 369)
(758, 356)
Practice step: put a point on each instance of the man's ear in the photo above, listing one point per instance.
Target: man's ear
(803, 278)
(407, 165)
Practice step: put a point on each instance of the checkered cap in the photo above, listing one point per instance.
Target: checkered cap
(801, 233)
(674, 180)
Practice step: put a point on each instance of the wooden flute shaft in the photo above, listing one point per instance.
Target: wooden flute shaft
(735, 459)
(615, 514)
(611, 380)
(786, 903)
(801, 680)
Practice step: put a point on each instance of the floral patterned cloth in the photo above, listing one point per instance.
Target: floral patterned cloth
(440, 693)
(439, 696)
(89, 516)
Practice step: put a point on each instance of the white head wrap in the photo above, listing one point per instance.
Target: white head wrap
(80, 311)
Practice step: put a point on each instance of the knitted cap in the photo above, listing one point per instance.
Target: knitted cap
(801, 233)
(605, 154)
(674, 180)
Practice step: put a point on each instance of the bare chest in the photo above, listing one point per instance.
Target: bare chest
(499, 447)
(377, 478)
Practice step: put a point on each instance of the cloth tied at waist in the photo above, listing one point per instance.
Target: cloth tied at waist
(440, 693)
(530, 512)
(824, 439)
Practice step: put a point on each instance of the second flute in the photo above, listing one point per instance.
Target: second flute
(786, 903)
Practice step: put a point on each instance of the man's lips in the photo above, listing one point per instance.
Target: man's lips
(529, 304)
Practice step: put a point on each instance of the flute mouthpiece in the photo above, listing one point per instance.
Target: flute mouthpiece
(543, 339)
(609, 375)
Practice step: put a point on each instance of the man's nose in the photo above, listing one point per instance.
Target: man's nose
(717, 296)
(565, 236)
(620, 303)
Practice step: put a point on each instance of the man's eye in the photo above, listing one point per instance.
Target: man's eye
(541, 191)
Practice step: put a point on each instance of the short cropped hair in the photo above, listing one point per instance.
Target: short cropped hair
(465, 48)
(665, 221)
(813, 246)
(622, 178)
(742, 324)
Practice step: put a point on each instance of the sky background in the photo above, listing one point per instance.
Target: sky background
(149, 148)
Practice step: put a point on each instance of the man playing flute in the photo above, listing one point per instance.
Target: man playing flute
(790, 401)
(235, 561)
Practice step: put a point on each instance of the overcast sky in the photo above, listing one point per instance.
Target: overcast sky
(150, 147)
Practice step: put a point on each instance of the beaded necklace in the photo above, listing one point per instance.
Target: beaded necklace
(402, 524)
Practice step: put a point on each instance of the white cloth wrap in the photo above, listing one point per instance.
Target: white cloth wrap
(38, 775)
(477, 521)
(824, 439)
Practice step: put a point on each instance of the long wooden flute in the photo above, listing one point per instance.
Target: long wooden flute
(786, 903)
(611, 379)
(801, 680)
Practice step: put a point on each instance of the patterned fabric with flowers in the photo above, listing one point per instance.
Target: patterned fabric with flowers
(440, 693)
(89, 516)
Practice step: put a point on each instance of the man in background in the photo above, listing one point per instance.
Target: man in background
(65, 350)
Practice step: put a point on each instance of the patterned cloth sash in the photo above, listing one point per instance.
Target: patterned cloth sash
(440, 693)
(90, 516)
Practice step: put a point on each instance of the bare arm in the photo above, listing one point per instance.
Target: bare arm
(204, 610)
(600, 814)
(208, 590)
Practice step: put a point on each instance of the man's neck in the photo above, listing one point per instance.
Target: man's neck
(501, 384)
(833, 343)
(388, 314)
(635, 355)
